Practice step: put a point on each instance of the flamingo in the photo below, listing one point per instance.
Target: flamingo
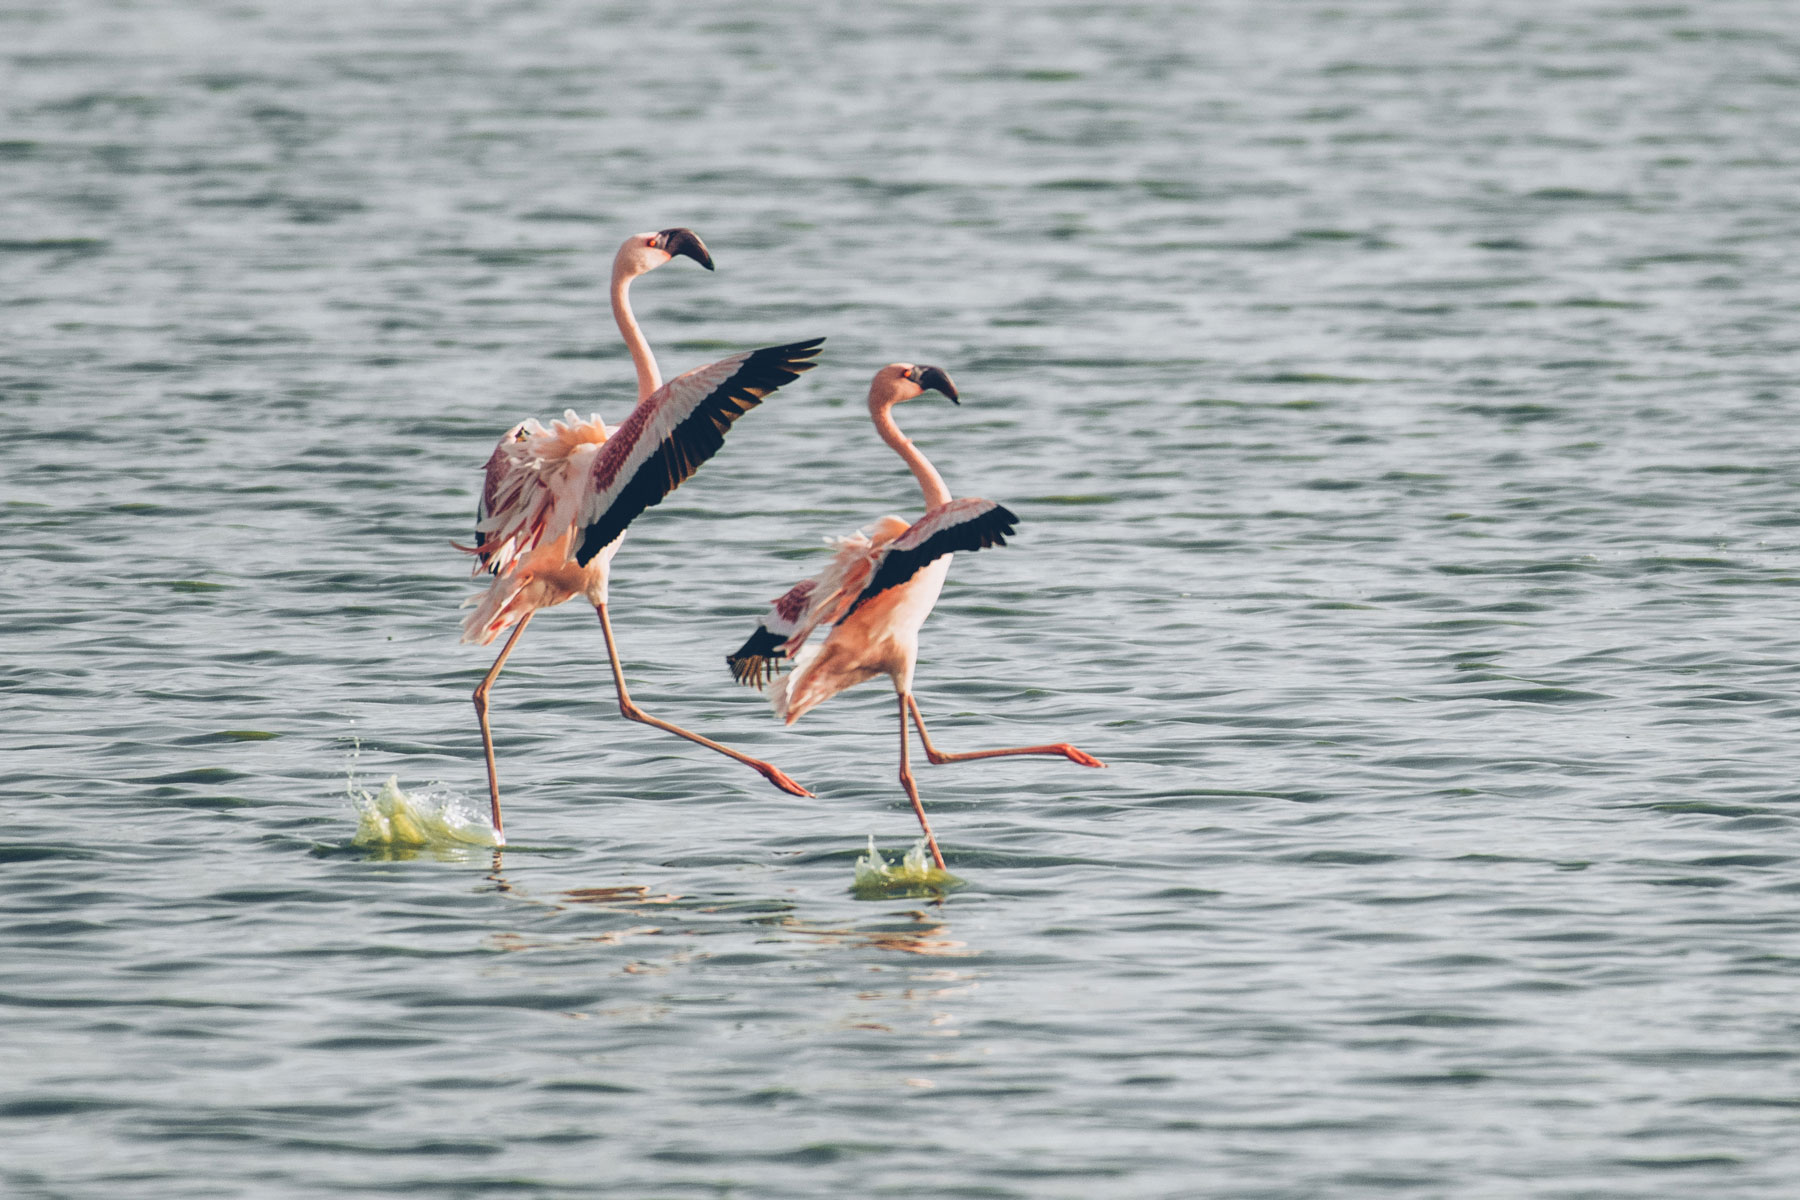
(876, 593)
(556, 501)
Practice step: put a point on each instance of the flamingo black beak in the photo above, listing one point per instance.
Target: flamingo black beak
(684, 242)
(935, 379)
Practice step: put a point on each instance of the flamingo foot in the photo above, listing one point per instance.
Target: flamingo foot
(782, 780)
(1080, 758)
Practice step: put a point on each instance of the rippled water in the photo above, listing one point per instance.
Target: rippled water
(1398, 401)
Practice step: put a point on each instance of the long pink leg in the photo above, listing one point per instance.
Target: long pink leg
(912, 789)
(773, 774)
(1078, 757)
(481, 713)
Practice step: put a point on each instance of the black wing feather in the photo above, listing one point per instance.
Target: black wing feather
(990, 528)
(698, 437)
(757, 660)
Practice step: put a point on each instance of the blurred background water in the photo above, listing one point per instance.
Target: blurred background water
(1398, 401)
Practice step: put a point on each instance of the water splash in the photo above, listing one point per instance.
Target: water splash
(392, 820)
(913, 875)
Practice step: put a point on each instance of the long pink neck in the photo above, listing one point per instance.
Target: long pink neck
(930, 482)
(649, 378)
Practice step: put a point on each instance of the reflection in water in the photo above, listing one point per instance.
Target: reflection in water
(927, 936)
(616, 897)
(515, 941)
(628, 894)
(682, 916)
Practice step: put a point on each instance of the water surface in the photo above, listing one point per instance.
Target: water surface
(1397, 399)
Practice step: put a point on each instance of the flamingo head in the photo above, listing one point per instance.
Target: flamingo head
(904, 381)
(643, 252)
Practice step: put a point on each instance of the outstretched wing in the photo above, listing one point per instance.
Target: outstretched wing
(675, 429)
(757, 660)
(821, 600)
(959, 525)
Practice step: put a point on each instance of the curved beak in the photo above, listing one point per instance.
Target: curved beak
(686, 243)
(935, 379)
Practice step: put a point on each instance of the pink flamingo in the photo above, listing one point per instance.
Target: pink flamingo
(556, 501)
(876, 593)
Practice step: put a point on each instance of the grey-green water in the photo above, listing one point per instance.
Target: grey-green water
(1398, 400)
